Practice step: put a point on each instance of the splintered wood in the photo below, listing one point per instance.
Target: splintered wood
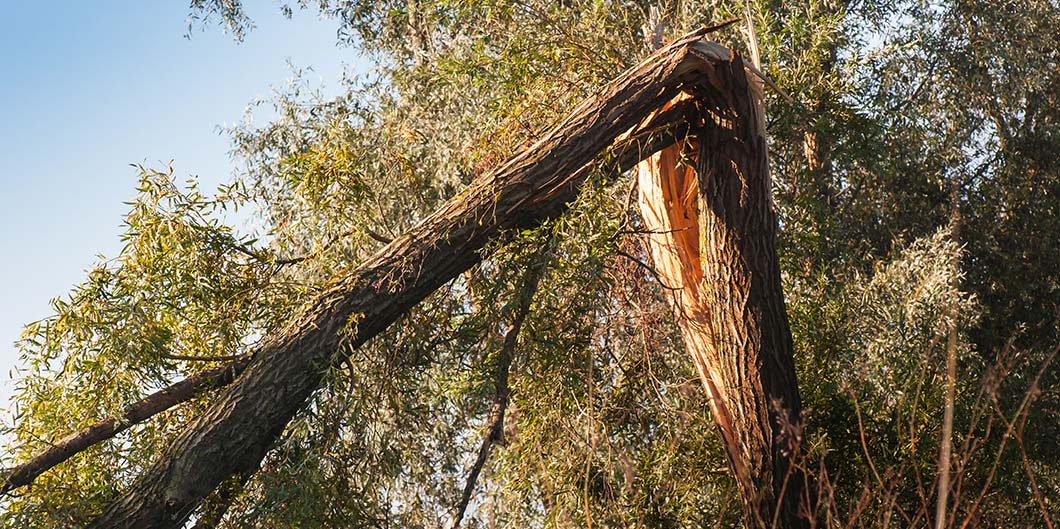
(721, 264)
(669, 206)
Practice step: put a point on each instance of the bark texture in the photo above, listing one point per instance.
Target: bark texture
(709, 211)
(235, 433)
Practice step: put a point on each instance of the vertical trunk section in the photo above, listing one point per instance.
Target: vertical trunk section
(713, 240)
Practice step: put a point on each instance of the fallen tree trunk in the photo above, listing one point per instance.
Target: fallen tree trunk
(234, 434)
(712, 235)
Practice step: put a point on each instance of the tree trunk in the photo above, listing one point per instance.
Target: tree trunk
(234, 434)
(713, 240)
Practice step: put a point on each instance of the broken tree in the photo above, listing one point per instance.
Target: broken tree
(712, 236)
(689, 89)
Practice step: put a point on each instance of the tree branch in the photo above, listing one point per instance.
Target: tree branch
(149, 406)
(495, 433)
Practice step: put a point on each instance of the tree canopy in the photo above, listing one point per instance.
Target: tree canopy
(914, 178)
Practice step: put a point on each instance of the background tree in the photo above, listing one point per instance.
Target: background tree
(913, 179)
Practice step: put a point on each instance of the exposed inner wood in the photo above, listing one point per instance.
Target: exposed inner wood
(668, 198)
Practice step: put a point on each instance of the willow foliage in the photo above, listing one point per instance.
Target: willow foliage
(915, 179)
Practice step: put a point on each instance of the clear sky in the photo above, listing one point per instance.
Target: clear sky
(88, 88)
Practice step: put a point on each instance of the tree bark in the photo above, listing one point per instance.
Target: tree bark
(235, 433)
(713, 240)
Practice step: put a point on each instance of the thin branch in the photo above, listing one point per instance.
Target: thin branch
(495, 434)
(254, 254)
(1028, 400)
(378, 236)
(197, 358)
(149, 406)
(324, 248)
(1033, 481)
(946, 448)
(654, 273)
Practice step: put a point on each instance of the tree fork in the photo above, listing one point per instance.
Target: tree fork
(135, 413)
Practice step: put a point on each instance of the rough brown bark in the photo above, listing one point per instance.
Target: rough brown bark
(747, 320)
(234, 434)
(713, 239)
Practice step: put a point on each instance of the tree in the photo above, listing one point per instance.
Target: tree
(234, 434)
(909, 124)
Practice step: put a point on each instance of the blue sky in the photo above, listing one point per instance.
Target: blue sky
(91, 87)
